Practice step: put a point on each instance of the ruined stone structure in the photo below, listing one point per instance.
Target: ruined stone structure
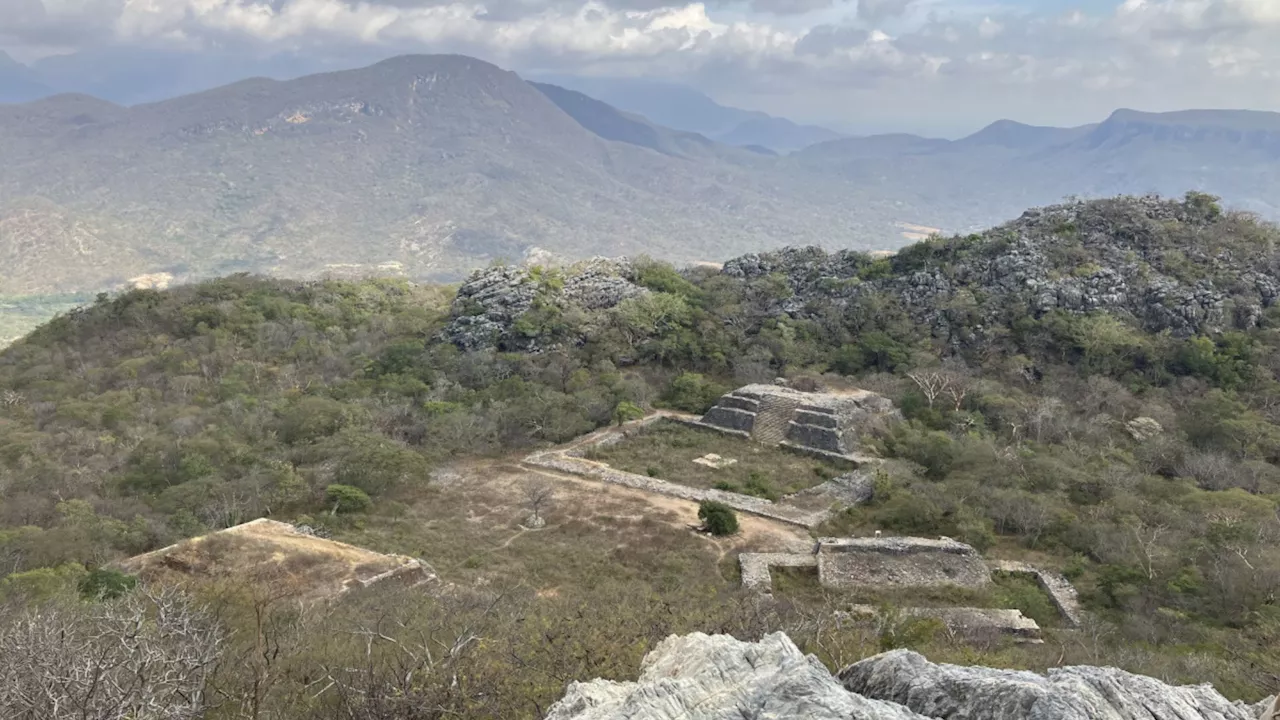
(899, 562)
(825, 423)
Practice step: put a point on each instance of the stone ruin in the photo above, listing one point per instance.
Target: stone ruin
(910, 562)
(900, 563)
(823, 423)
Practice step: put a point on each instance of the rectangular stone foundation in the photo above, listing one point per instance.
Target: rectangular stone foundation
(899, 562)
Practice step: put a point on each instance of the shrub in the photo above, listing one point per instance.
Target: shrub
(693, 393)
(627, 411)
(346, 498)
(106, 584)
(717, 518)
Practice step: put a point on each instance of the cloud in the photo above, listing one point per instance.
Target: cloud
(812, 56)
(875, 11)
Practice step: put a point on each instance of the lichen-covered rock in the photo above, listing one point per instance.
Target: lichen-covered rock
(490, 305)
(702, 677)
(1167, 265)
(954, 692)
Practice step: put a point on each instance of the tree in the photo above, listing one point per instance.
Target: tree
(717, 518)
(146, 656)
(538, 496)
(626, 411)
(346, 498)
(106, 584)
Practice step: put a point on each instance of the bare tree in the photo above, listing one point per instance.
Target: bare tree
(539, 494)
(146, 656)
(931, 384)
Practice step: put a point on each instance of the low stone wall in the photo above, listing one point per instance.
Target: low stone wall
(560, 462)
(1059, 589)
(899, 562)
(757, 568)
(848, 490)
(971, 623)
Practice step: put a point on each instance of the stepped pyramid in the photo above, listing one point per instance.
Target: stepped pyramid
(823, 422)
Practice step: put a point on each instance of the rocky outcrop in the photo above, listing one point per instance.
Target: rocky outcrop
(1163, 264)
(490, 305)
(952, 692)
(701, 677)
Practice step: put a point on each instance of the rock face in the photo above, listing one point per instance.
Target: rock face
(1162, 263)
(1068, 693)
(492, 302)
(701, 677)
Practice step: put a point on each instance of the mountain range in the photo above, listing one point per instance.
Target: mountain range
(432, 165)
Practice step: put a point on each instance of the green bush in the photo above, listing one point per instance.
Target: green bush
(346, 498)
(717, 518)
(626, 411)
(693, 393)
(106, 584)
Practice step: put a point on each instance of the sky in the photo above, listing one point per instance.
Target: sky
(937, 66)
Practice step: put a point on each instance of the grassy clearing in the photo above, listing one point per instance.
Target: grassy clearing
(1006, 591)
(472, 534)
(667, 450)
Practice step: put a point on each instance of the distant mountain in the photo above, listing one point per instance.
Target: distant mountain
(977, 180)
(19, 83)
(684, 108)
(430, 165)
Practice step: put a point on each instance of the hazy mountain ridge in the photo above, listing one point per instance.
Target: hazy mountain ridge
(439, 164)
(684, 108)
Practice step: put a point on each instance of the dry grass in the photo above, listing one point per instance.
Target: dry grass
(667, 450)
(471, 531)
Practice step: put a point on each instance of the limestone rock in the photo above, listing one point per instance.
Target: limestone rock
(1268, 709)
(1113, 255)
(492, 300)
(1069, 693)
(701, 677)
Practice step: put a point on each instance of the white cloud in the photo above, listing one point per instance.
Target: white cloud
(1171, 52)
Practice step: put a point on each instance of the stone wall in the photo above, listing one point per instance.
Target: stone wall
(1059, 589)
(757, 568)
(899, 562)
(974, 624)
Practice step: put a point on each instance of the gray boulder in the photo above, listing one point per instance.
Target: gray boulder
(952, 692)
(701, 677)
(491, 302)
(704, 677)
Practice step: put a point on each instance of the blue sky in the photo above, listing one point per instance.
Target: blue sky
(937, 66)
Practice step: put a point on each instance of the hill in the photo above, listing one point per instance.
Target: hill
(684, 108)
(436, 164)
(19, 83)
(1091, 387)
(987, 177)
(430, 166)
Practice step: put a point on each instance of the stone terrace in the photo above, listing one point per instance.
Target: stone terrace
(826, 424)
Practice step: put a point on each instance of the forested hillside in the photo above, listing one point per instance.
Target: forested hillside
(1094, 386)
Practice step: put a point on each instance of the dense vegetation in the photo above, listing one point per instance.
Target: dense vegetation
(1143, 465)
